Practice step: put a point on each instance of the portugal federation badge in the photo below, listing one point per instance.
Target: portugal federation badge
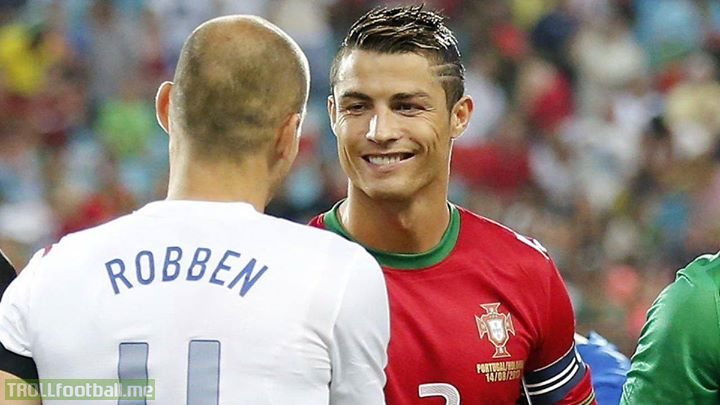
(497, 326)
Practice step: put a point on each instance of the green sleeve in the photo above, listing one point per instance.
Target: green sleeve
(678, 355)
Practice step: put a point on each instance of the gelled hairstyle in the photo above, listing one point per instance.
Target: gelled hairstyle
(408, 29)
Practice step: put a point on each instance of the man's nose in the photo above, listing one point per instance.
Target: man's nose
(382, 127)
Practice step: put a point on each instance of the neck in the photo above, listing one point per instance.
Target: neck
(192, 179)
(413, 226)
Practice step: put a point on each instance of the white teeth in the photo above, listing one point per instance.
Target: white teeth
(384, 159)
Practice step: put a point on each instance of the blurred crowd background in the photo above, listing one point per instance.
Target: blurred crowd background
(596, 129)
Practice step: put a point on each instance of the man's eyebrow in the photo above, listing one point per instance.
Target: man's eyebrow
(395, 97)
(406, 96)
(354, 94)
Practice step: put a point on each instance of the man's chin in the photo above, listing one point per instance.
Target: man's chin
(388, 193)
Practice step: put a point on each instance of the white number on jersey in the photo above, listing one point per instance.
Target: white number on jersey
(203, 369)
(447, 391)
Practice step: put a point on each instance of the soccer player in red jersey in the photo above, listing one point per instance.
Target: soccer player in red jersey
(479, 313)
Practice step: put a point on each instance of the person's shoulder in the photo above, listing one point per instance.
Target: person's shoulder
(328, 251)
(472, 222)
(692, 297)
(297, 228)
(703, 273)
(602, 356)
(514, 244)
(75, 248)
(96, 235)
(695, 286)
(311, 235)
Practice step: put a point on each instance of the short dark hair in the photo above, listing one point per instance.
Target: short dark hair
(408, 29)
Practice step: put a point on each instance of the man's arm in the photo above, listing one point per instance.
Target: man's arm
(7, 378)
(15, 355)
(677, 358)
(557, 374)
(565, 381)
(360, 337)
(14, 371)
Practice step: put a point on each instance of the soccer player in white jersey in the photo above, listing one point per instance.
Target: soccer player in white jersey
(201, 292)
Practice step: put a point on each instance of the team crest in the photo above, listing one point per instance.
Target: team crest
(497, 326)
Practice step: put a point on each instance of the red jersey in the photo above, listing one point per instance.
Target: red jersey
(482, 318)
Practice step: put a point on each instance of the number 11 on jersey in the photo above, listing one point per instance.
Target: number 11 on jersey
(203, 373)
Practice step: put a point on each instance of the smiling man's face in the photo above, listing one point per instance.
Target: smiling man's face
(394, 131)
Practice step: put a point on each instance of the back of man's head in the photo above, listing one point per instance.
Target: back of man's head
(237, 80)
(408, 29)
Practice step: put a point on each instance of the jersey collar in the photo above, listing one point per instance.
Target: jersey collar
(182, 208)
(404, 261)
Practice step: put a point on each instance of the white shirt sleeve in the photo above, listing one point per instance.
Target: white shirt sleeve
(360, 337)
(14, 308)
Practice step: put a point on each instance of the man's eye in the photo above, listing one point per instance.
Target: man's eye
(355, 108)
(408, 108)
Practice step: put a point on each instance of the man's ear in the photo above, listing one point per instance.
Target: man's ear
(332, 113)
(460, 116)
(162, 105)
(288, 138)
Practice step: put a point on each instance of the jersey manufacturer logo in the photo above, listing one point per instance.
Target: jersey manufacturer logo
(497, 326)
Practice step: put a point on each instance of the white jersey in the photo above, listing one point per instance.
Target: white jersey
(215, 302)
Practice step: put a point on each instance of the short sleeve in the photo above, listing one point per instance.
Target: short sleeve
(14, 310)
(557, 374)
(360, 337)
(558, 330)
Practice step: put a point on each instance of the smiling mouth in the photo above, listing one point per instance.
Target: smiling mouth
(387, 159)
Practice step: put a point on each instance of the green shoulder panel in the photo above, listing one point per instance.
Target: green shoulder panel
(677, 360)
